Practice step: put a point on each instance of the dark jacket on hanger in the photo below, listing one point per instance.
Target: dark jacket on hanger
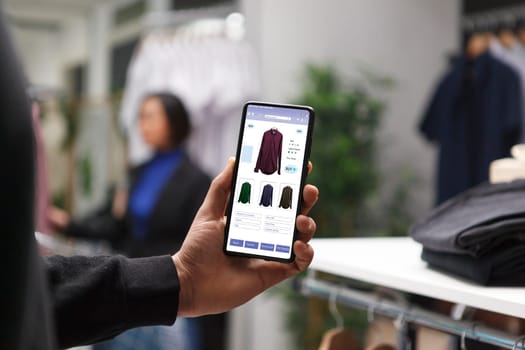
(270, 153)
(267, 196)
(47, 303)
(475, 117)
(286, 198)
(170, 220)
(244, 196)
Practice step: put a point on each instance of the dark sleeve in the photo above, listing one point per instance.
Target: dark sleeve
(258, 164)
(280, 154)
(514, 108)
(431, 122)
(99, 224)
(200, 188)
(262, 196)
(96, 298)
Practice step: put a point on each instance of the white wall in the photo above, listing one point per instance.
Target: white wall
(407, 39)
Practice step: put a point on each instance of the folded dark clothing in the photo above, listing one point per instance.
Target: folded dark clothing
(484, 238)
(476, 221)
(504, 267)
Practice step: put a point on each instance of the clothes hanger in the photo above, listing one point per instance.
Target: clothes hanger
(401, 325)
(338, 338)
(477, 38)
(519, 341)
(370, 313)
(463, 343)
(477, 44)
(376, 345)
(507, 38)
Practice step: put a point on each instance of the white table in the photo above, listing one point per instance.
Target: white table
(395, 263)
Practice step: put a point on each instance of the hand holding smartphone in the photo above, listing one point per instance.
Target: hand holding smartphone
(269, 176)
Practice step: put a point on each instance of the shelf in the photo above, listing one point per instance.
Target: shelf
(395, 263)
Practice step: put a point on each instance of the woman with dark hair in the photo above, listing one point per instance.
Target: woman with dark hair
(164, 192)
(163, 197)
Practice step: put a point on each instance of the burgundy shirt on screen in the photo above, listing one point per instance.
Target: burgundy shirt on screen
(269, 159)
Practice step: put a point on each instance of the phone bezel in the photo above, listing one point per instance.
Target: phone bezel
(304, 174)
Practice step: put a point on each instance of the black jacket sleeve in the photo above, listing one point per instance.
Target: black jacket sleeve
(100, 224)
(96, 298)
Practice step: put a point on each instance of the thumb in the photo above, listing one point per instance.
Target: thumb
(214, 204)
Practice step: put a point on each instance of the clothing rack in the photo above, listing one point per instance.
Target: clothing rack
(394, 264)
(176, 18)
(406, 314)
(486, 18)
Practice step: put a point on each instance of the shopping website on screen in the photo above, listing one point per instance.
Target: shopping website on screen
(268, 180)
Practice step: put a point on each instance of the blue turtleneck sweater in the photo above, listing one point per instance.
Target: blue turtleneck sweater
(155, 174)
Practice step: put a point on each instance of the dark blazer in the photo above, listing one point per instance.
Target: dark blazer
(170, 220)
(475, 116)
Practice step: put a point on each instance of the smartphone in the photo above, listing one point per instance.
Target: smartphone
(270, 171)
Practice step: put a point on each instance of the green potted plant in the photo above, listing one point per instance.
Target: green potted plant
(348, 116)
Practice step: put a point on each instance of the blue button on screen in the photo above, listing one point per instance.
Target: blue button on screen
(267, 246)
(283, 248)
(251, 245)
(236, 242)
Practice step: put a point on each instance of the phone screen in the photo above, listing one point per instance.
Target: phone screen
(271, 167)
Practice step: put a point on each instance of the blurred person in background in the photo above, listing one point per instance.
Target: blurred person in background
(154, 217)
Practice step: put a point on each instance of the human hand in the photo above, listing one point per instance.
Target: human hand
(120, 203)
(58, 219)
(212, 282)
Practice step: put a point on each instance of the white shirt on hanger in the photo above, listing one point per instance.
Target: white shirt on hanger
(213, 76)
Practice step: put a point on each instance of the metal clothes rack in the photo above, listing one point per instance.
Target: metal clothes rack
(407, 314)
(491, 17)
(395, 265)
(176, 18)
